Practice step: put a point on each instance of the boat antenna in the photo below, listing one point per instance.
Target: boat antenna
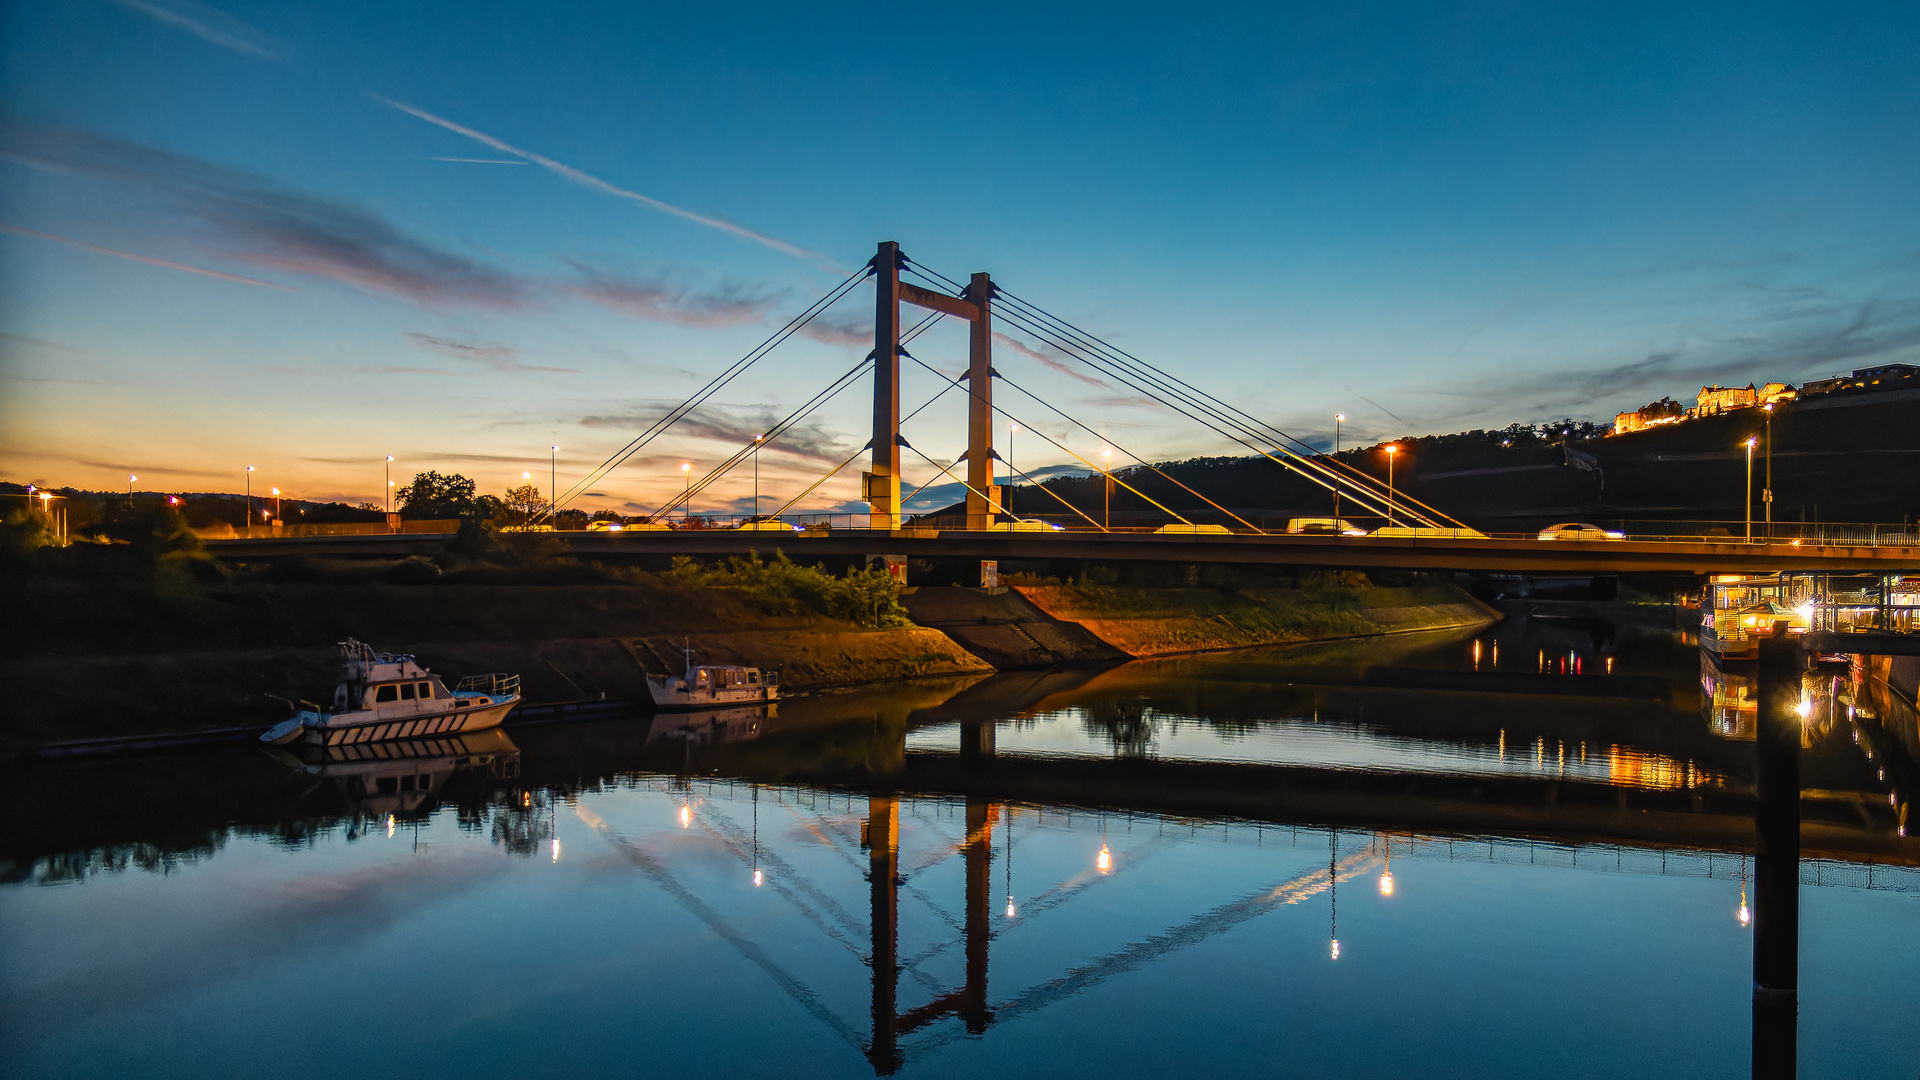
(688, 650)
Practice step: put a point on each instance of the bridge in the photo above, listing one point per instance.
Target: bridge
(1415, 535)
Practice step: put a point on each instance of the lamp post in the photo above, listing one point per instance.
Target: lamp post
(1106, 490)
(526, 480)
(1749, 501)
(686, 470)
(1392, 449)
(756, 476)
(130, 479)
(1011, 428)
(389, 483)
(1766, 488)
(553, 488)
(275, 492)
(1337, 419)
(249, 500)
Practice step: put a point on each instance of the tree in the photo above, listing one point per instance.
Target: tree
(431, 496)
(521, 505)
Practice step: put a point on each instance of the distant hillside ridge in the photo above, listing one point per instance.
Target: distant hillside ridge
(1836, 458)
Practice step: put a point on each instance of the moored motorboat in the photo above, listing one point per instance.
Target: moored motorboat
(383, 696)
(701, 686)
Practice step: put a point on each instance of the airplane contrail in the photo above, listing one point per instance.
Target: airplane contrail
(585, 179)
(144, 258)
(480, 160)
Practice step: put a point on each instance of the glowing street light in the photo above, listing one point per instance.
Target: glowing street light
(553, 486)
(1392, 449)
(1751, 440)
(1766, 488)
(130, 479)
(389, 483)
(757, 440)
(1011, 428)
(686, 470)
(1338, 419)
(1106, 489)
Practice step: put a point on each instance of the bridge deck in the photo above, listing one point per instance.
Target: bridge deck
(1408, 553)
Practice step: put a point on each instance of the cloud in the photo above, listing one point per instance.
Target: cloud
(267, 226)
(840, 330)
(208, 25)
(1051, 362)
(142, 258)
(480, 161)
(496, 357)
(735, 428)
(588, 180)
(661, 300)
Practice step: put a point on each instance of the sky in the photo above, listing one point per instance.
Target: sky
(308, 236)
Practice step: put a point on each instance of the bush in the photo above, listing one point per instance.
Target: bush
(866, 597)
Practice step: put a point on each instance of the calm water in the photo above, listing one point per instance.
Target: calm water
(706, 895)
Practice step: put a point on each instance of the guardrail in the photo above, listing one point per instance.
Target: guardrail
(497, 684)
(335, 528)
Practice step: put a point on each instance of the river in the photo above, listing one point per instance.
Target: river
(1522, 851)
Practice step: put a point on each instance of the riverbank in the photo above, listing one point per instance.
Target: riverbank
(117, 655)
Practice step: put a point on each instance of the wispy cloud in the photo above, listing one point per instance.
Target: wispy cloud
(661, 300)
(265, 225)
(588, 180)
(840, 330)
(208, 25)
(151, 261)
(480, 161)
(500, 358)
(735, 428)
(1053, 363)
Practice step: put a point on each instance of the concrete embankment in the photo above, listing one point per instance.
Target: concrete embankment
(1145, 622)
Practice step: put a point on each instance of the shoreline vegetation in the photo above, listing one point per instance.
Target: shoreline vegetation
(138, 632)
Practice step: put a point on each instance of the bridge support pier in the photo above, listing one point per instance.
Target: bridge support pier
(1776, 907)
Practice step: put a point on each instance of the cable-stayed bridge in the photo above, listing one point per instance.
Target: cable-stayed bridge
(1410, 535)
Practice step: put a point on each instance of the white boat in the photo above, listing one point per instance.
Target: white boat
(385, 696)
(703, 686)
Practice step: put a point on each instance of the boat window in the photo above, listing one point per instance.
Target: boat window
(753, 676)
(386, 785)
(426, 689)
(406, 783)
(387, 693)
(406, 691)
(426, 782)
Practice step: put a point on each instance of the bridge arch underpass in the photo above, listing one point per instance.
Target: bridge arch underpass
(976, 304)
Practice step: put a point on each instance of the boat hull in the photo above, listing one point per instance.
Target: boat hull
(352, 731)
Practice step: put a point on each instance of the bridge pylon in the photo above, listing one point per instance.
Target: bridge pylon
(881, 486)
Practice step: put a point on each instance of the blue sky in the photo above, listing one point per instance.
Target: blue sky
(1427, 217)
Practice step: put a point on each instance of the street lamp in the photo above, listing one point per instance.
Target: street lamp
(1751, 439)
(1392, 449)
(130, 479)
(1338, 418)
(389, 483)
(1106, 490)
(756, 476)
(686, 470)
(275, 492)
(249, 500)
(1766, 490)
(553, 487)
(1011, 428)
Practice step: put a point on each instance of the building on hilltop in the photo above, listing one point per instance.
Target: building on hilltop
(1664, 411)
(1714, 400)
(1884, 377)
